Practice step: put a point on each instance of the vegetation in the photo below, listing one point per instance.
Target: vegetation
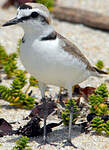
(99, 107)
(5, 93)
(32, 82)
(18, 45)
(3, 55)
(8, 62)
(102, 91)
(22, 144)
(10, 65)
(48, 3)
(98, 99)
(66, 113)
(100, 64)
(106, 128)
(100, 126)
(15, 95)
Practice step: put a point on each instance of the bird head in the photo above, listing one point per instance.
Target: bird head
(31, 14)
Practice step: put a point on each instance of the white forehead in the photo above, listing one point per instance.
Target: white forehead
(27, 12)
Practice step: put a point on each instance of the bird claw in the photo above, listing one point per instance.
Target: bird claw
(69, 143)
(44, 142)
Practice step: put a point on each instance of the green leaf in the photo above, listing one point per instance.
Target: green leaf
(100, 64)
(66, 113)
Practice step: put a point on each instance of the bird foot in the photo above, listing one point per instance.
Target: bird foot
(69, 143)
(44, 142)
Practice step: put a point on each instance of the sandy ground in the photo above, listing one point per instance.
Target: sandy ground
(93, 43)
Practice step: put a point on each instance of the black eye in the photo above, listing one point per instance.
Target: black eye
(34, 14)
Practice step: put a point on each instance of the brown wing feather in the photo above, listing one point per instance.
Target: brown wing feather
(73, 50)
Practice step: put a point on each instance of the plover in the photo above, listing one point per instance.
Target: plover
(49, 56)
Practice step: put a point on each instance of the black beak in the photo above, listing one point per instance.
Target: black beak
(11, 22)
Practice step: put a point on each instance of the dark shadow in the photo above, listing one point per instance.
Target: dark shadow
(58, 136)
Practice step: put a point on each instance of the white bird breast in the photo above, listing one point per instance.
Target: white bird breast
(49, 63)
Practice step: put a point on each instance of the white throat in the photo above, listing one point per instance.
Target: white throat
(31, 30)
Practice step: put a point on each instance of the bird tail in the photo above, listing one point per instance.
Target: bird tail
(99, 72)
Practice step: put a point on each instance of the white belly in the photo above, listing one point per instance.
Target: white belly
(48, 63)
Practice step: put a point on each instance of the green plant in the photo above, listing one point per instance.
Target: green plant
(20, 80)
(19, 98)
(106, 129)
(22, 144)
(9, 65)
(48, 3)
(97, 100)
(102, 91)
(15, 95)
(3, 54)
(99, 107)
(18, 45)
(8, 62)
(32, 82)
(98, 124)
(100, 64)
(66, 113)
(5, 93)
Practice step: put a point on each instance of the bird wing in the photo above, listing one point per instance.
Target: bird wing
(73, 50)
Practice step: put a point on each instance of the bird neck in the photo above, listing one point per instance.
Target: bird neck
(38, 32)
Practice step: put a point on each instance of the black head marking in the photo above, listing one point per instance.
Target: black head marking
(51, 36)
(34, 14)
(24, 6)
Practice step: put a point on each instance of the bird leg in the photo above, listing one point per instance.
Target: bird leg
(44, 142)
(42, 87)
(45, 118)
(68, 142)
(70, 121)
